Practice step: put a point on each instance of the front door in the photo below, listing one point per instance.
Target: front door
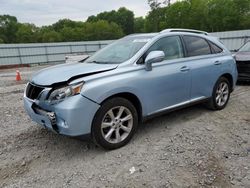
(168, 84)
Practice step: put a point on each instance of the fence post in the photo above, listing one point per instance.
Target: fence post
(100, 45)
(70, 48)
(19, 53)
(46, 53)
(85, 46)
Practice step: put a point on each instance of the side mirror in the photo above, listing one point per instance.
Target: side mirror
(153, 57)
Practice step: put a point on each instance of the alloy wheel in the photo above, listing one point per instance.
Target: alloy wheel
(117, 124)
(222, 94)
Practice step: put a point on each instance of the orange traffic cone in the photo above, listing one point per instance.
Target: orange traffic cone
(18, 76)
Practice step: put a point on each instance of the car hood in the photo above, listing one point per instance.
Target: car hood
(242, 56)
(67, 72)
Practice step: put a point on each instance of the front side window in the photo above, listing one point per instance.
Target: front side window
(196, 46)
(171, 46)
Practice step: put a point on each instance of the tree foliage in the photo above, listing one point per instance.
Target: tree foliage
(207, 15)
(123, 17)
(8, 28)
(139, 25)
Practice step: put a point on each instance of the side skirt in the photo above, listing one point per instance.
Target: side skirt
(174, 108)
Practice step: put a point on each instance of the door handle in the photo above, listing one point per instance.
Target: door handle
(184, 69)
(217, 63)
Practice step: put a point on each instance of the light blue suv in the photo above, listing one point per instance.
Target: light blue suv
(127, 82)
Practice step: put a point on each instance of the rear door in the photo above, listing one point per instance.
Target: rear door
(205, 63)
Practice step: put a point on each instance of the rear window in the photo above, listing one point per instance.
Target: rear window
(196, 46)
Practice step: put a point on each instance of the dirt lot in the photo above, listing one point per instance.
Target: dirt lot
(193, 147)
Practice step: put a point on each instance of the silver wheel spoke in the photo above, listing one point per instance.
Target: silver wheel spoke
(106, 125)
(219, 101)
(221, 86)
(225, 92)
(121, 109)
(108, 135)
(126, 129)
(128, 117)
(224, 86)
(111, 114)
(117, 135)
(217, 98)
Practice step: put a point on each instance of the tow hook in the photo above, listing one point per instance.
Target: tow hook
(52, 118)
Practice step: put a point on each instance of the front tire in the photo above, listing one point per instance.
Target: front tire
(221, 94)
(114, 123)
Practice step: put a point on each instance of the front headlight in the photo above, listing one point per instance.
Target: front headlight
(64, 92)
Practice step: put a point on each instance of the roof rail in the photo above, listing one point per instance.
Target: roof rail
(185, 30)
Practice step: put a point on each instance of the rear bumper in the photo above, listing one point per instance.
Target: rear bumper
(71, 117)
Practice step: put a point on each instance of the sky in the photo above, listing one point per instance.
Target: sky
(46, 12)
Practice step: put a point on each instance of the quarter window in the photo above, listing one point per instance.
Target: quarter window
(196, 46)
(171, 46)
(216, 49)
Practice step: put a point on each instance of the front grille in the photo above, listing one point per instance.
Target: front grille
(33, 91)
(243, 66)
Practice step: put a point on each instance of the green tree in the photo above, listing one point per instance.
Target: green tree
(139, 25)
(65, 23)
(51, 36)
(223, 15)
(190, 14)
(125, 20)
(243, 8)
(123, 17)
(8, 28)
(26, 33)
(154, 4)
(71, 34)
(102, 30)
(155, 20)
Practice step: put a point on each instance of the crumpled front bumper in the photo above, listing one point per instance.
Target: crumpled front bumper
(72, 117)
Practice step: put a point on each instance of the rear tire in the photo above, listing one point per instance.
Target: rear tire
(221, 95)
(114, 123)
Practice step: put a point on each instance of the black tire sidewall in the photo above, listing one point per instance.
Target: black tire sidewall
(97, 121)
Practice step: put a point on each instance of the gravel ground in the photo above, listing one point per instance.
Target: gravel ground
(193, 147)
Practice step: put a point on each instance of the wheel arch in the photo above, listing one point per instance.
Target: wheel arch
(229, 77)
(132, 98)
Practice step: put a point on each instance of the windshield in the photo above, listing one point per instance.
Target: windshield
(119, 51)
(245, 48)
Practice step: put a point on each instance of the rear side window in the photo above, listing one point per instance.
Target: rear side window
(215, 49)
(196, 46)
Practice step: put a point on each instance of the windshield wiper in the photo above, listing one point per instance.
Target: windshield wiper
(101, 62)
